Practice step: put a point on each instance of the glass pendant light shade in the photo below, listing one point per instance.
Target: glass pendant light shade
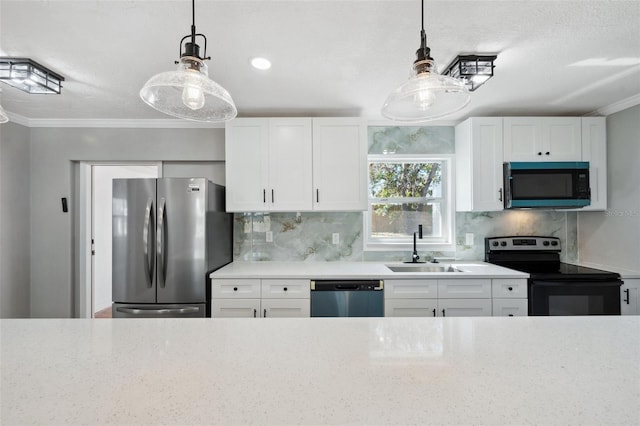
(189, 93)
(426, 96)
(3, 116)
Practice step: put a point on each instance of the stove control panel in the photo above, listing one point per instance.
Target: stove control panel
(521, 243)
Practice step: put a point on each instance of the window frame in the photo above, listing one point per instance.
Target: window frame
(447, 206)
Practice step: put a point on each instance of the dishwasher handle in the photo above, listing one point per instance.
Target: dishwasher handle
(347, 285)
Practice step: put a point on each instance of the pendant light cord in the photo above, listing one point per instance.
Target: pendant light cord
(193, 21)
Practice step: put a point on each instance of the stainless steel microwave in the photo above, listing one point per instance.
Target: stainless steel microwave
(553, 185)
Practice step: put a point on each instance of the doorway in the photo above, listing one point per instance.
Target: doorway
(98, 179)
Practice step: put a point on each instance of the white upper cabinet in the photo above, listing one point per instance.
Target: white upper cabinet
(594, 150)
(268, 164)
(290, 164)
(295, 164)
(246, 164)
(542, 139)
(339, 164)
(479, 152)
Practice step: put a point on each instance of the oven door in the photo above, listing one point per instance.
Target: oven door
(557, 298)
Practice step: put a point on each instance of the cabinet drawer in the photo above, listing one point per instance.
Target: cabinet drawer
(410, 289)
(510, 308)
(231, 289)
(410, 307)
(509, 288)
(286, 308)
(464, 307)
(285, 289)
(235, 308)
(460, 288)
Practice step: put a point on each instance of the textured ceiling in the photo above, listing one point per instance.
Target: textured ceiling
(330, 58)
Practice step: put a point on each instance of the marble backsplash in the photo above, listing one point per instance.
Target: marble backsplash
(308, 236)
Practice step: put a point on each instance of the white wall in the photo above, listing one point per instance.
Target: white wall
(612, 238)
(14, 221)
(54, 153)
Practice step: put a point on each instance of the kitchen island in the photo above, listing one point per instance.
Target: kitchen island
(321, 371)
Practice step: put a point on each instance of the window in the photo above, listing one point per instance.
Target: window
(407, 191)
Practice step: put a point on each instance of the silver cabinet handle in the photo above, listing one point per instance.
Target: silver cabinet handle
(147, 241)
(163, 311)
(162, 272)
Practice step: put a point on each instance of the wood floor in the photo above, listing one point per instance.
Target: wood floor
(104, 313)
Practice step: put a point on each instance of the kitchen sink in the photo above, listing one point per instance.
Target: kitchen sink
(422, 268)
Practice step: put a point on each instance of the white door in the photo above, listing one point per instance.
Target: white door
(101, 194)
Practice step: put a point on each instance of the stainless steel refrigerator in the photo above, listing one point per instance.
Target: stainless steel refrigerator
(168, 235)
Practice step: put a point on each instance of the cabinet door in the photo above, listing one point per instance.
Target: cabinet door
(235, 308)
(286, 308)
(246, 163)
(522, 139)
(594, 150)
(561, 139)
(510, 308)
(410, 307)
(339, 164)
(630, 297)
(479, 155)
(542, 139)
(290, 165)
(464, 307)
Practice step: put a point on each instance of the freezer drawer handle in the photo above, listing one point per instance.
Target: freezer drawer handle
(164, 311)
(147, 242)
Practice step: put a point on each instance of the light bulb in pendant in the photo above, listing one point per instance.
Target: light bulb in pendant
(424, 99)
(193, 97)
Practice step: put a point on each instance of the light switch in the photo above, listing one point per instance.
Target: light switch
(335, 238)
(269, 236)
(468, 239)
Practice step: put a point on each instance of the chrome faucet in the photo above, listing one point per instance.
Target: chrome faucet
(414, 255)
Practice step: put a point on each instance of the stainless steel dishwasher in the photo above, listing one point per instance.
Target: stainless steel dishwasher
(347, 298)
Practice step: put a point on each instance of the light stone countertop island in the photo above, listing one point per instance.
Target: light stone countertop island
(321, 371)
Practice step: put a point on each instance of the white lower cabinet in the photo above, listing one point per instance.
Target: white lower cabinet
(255, 298)
(509, 297)
(630, 297)
(455, 297)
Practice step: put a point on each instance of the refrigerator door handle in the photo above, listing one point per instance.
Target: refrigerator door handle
(163, 311)
(147, 243)
(160, 236)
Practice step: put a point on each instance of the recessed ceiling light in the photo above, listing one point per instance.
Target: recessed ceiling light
(260, 63)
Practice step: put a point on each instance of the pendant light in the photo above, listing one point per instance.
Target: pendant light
(427, 95)
(3, 115)
(188, 92)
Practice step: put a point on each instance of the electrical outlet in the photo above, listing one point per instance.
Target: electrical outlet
(468, 239)
(269, 236)
(335, 238)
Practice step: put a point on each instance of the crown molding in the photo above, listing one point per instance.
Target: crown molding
(617, 106)
(113, 123)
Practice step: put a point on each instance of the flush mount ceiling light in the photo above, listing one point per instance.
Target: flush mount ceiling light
(473, 70)
(427, 95)
(188, 92)
(29, 76)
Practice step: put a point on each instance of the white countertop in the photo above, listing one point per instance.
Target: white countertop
(322, 371)
(357, 270)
